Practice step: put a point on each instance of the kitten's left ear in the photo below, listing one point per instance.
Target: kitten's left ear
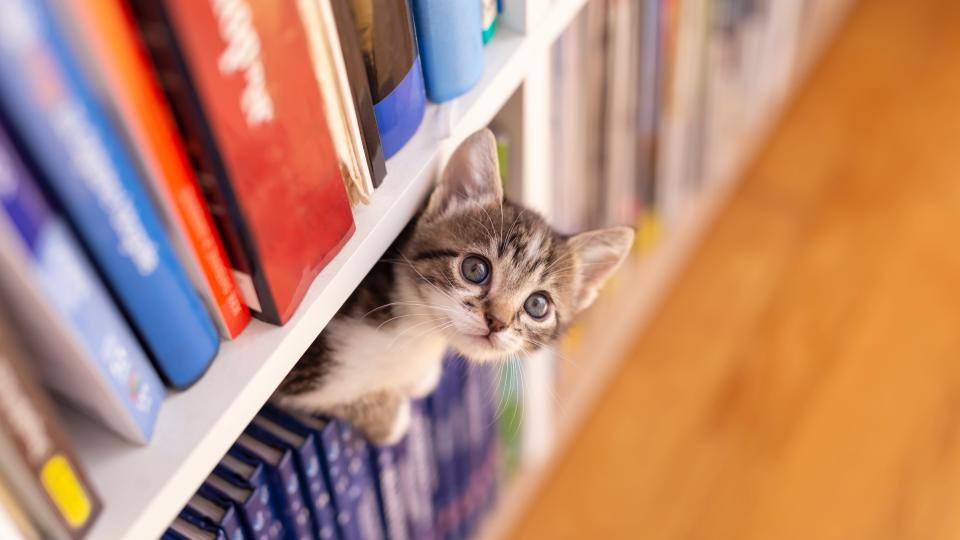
(600, 254)
(472, 174)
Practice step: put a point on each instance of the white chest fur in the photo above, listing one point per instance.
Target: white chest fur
(399, 356)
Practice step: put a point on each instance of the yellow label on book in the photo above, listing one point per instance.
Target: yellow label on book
(64, 488)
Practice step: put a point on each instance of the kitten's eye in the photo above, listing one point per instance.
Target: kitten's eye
(475, 269)
(537, 305)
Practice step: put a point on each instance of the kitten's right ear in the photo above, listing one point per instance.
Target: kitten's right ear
(472, 174)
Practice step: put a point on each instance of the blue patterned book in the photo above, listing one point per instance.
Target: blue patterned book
(280, 463)
(385, 462)
(68, 138)
(87, 353)
(446, 510)
(418, 474)
(247, 487)
(304, 446)
(213, 507)
(361, 493)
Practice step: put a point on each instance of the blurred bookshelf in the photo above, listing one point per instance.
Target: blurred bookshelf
(143, 488)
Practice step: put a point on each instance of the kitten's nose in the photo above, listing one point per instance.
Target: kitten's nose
(493, 323)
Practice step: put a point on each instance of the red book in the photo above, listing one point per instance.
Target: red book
(241, 81)
(119, 56)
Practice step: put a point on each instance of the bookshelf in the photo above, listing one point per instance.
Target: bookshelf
(143, 489)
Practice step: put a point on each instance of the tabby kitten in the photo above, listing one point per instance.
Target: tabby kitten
(474, 273)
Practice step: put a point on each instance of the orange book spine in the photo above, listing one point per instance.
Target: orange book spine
(108, 28)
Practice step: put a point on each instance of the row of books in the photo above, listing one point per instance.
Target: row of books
(651, 101)
(294, 476)
(172, 166)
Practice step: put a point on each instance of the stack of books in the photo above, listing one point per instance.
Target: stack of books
(300, 476)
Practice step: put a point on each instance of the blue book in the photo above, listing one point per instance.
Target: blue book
(480, 432)
(68, 137)
(418, 474)
(385, 462)
(212, 507)
(184, 528)
(87, 353)
(446, 509)
(355, 518)
(303, 444)
(246, 486)
(459, 429)
(279, 460)
(361, 494)
(450, 36)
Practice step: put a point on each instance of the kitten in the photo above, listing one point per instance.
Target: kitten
(474, 273)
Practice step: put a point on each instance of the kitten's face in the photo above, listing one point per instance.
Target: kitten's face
(499, 280)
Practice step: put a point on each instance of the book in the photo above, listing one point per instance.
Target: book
(246, 99)
(254, 449)
(385, 462)
(326, 437)
(491, 14)
(36, 459)
(360, 492)
(418, 474)
(393, 69)
(184, 528)
(117, 55)
(446, 510)
(303, 445)
(450, 38)
(246, 486)
(360, 89)
(343, 118)
(86, 352)
(209, 506)
(56, 120)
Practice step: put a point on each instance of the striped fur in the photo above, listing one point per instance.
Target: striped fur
(390, 334)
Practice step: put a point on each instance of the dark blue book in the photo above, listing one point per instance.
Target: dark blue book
(385, 463)
(360, 494)
(418, 474)
(69, 141)
(256, 447)
(307, 450)
(480, 437)
(446, 509)
(354, 521)
(212, 507)
(247, 487)
(184, 528)
(459, 429)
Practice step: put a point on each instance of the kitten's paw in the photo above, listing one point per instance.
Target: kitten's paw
(394, 431)
(428, 382)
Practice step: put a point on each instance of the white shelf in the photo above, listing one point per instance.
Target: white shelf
(144, 488)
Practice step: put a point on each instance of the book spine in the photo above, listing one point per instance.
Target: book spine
(418, 474)
(286, 482)
(110, 31)
(338, 477)
(87, 344)
(361, 491)
(450, 37)
(45, 96)
(257, 512)
(360, 90)
(313, 473)
(384, 463)
(393, 69)
(446, 511)
(230, 520)
(51, 483)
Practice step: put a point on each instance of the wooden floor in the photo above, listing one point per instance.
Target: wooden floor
(802, 380)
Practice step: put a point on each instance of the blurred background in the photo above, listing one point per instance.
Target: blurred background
(190, 190)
